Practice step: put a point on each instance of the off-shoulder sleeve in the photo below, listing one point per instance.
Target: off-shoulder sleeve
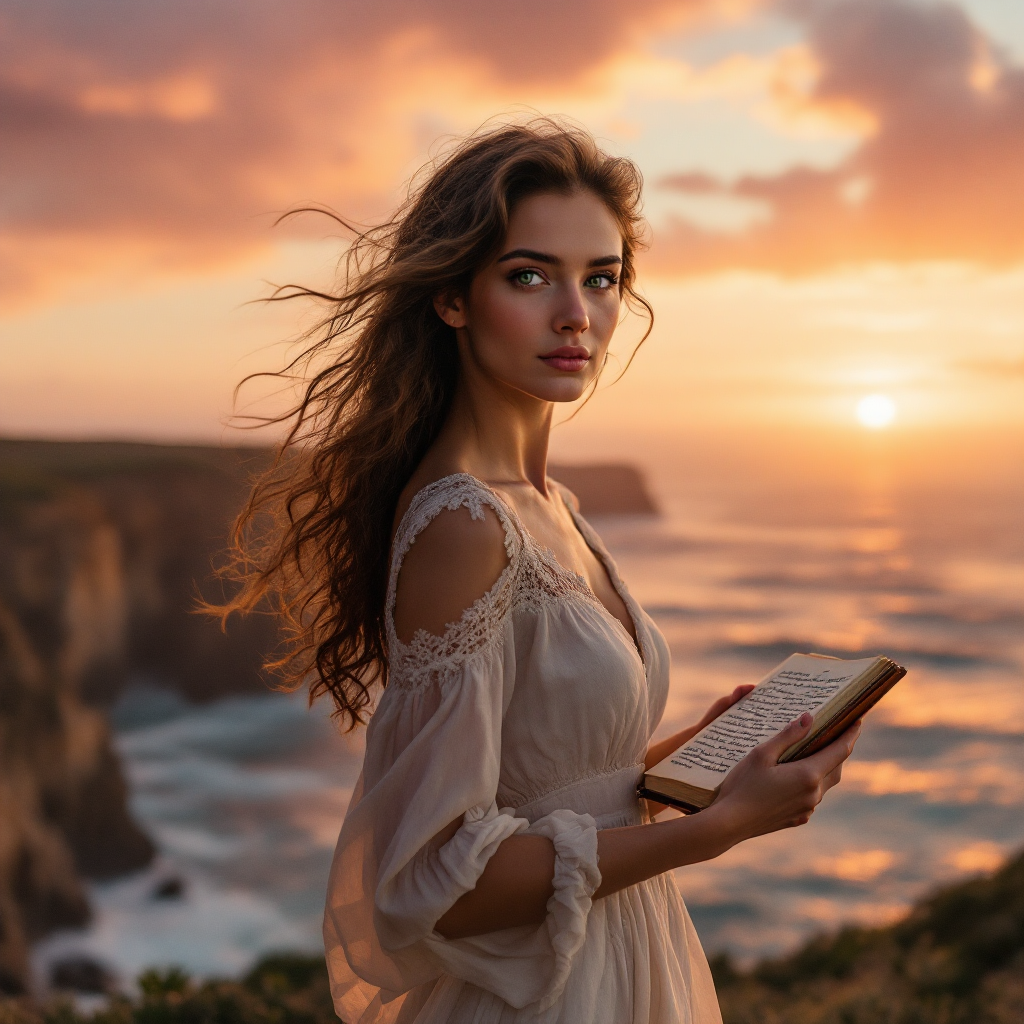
(433, 754)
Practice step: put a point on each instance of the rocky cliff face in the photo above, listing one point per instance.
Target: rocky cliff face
(102, 551)
(121, 591)
(63, 806)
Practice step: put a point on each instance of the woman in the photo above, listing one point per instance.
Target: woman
(495, 863)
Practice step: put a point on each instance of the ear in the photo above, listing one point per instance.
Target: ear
(451, 309)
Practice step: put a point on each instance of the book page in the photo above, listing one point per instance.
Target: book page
(801, 683)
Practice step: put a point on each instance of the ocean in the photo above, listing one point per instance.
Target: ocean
(761, 549)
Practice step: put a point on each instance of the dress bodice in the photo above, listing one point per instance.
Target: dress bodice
(584, 698)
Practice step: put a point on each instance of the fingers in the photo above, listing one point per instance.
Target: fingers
(832, 779)
(829, 758)
(777, 745)
(723, 704)
(720, 705)
(726, 702)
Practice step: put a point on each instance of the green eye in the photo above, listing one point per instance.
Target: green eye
(601, 281)
(527, 277)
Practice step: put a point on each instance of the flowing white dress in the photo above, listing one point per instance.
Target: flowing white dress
(532, 714)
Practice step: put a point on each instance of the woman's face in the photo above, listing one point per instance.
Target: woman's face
(539, 318)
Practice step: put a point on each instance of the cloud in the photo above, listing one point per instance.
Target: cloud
(168, 134)
(1005, 369)
(972, 779)
(155, 138)
(936, 176)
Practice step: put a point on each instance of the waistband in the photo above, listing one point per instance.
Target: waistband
(610, 798)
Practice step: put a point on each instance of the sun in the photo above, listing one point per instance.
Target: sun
(876, 411)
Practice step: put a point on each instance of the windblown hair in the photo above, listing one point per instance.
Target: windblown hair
(378, 373)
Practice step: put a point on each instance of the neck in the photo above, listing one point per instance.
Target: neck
(497, 432)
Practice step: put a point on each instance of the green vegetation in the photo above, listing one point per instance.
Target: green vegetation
(284, 988)
(957, 958)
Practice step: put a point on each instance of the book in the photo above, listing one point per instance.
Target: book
(836, 693)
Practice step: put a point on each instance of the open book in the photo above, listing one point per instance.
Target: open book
(835, 692)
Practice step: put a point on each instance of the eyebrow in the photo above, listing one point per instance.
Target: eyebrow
(544, 257)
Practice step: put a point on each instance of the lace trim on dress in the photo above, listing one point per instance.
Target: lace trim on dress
(533, 579)
(427, 655)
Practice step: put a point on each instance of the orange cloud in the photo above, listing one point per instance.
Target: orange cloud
(1005, 369)
(179, 130)
(937, 175)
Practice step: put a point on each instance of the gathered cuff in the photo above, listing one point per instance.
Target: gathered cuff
(464, 857)
(410, 905)
(576, 879)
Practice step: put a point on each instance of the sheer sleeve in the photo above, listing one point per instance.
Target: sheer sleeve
(433, 754)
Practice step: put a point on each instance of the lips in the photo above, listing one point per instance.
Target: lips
(568, 358)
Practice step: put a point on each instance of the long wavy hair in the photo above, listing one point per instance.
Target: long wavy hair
(377, 375)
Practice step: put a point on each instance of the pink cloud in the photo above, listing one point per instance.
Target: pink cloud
(179, 130)
(939, 178)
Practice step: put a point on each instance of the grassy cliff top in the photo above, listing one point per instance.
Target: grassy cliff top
(31, 468)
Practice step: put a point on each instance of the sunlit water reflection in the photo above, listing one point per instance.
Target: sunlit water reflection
(245, 796)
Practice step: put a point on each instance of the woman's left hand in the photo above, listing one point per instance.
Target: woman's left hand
(659, 751)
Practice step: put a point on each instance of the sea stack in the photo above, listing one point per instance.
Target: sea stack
(606, 488)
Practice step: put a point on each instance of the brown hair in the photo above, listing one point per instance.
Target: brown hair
(378, 374)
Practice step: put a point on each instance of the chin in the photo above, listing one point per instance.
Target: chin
(560, 390)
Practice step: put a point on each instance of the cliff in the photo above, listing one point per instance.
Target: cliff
(104, 548)
(62, 794)
(160, 517)
(100, 550)
(606, 488)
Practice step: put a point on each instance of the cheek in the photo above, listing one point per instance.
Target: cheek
(604, 316)
(506, 329)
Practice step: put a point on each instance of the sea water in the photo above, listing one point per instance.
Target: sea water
(746, 564)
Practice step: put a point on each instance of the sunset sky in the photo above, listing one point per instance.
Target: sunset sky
(835, 190)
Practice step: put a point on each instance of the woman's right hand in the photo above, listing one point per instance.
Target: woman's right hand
(760, 795)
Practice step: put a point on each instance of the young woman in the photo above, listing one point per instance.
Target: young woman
(495, 863)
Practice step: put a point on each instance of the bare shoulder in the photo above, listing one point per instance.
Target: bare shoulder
(454, 561)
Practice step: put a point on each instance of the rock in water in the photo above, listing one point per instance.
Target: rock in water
(81, 974)
(172, 888)
(606, 489)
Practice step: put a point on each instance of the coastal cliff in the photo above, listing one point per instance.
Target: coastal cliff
(158, 520)
(104, 549)
(63, 799)
(606, 488)
(101, 548)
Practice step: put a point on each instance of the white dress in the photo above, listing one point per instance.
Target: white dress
(532, 714)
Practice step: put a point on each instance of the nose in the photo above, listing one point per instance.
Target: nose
(572, 315)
